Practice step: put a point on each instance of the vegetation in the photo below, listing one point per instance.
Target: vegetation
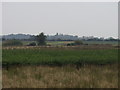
(57, 37)
(12, 43)
(71, 44)
(78, 42)
(32, 44)
(41, 38)
(89, 76)
(59, 66)
(102, 42)
(56, 56)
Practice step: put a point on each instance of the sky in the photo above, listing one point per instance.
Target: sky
(74, 18)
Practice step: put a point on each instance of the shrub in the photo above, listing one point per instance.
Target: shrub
(68, 44)
(78, 42)
(32, 44)
(12, 43)
(71, 44)
(48, 44)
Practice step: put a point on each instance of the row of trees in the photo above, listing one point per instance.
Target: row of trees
(57, 37)
(41, 40)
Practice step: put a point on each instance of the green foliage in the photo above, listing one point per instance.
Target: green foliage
(12, 43)
(78, 42)
(32, 44)
(71, 44)
(41, 38)
(59, 56)
(102, 42)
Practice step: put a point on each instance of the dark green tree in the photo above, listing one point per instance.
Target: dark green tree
(41, 38)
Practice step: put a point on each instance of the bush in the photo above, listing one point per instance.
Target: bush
(48, 44)
(32, 44)
(12, 43)
(71, 44)
(78, 42)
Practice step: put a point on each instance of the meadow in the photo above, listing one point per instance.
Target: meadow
(84, 66)
(59, 56)
(66, 42)
(89, 76)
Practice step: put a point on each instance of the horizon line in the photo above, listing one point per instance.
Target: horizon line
(59, 34)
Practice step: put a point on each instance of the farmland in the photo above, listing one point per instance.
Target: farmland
(59, 44)
(65, 42)
(56, 56)
(59, 66)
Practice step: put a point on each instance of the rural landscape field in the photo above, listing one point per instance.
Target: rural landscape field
(64, 44)
(60, 66)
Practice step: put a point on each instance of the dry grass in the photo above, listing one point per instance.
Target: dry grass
(61, 77)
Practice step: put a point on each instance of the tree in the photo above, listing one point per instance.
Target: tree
(41, 38)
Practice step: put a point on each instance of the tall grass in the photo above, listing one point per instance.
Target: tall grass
(64, 77)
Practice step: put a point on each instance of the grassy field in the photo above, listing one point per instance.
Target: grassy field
(56, 67)
(66, 42)
(89, 76)
(53, 43)
(59, 56)
(102, 42)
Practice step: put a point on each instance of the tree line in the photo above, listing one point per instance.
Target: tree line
(57, 37)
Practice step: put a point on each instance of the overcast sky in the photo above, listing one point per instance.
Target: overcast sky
(74, 18)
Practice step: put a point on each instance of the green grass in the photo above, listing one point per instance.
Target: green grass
(101, 42)
(59, 42)
(65, 42)
(49, 42)
(57, 56)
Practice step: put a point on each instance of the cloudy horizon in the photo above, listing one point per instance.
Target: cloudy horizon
(98, 19)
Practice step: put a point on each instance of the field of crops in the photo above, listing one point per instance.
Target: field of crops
(58, 56)
(84, 66)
